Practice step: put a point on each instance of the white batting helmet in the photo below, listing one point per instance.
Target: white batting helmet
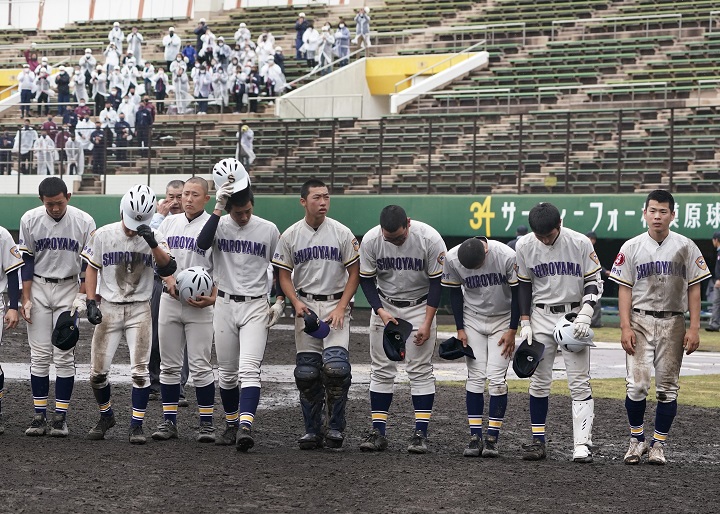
(194, 282)
(137, 206)
(563, 335)
(231, 170)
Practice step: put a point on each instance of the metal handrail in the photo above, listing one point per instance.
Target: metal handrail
(601, 20)
(318, 68)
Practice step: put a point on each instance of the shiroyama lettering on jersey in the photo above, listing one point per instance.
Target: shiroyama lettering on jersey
(242, 246)
(400, 263)
(557, 268)
(121, 258)
(57, 243)
(314, 253)
(184, 243)
(648, 269)
(485, 280)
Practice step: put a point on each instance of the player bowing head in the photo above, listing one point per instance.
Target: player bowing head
(240, 206)
(395, 224)
(545, 223)
(54, 196)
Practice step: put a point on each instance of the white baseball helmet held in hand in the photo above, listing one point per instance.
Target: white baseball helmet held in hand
(230, 170)
(563, 335)
(137, 207)
(194, 282)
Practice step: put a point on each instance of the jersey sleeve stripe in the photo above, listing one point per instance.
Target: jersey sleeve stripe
(450, 284)
(593, 271)
(523, 279)
(512, 282)
(25, 249)
(699, 279)
(282, 265)
(618, 280)
(433, 275)
(368, 274)
(14, 267)
(352, 261)
(90, 262)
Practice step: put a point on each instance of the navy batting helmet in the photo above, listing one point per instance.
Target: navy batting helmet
(527, 358)
(395, 337)
(66, 333)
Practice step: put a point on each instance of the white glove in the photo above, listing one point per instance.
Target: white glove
(274, 312)
(223, 195)
(581, 325)
(78, 305)
(526, 331)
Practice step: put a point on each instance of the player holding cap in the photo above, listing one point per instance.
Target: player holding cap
(318, 265)
(483, 293)
(659, 274)
(51, 238)
(121, 257)
(401, 267)
(242, 246)
(558, 272)
(187, 323)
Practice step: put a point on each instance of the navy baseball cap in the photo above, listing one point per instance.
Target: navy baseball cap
(527, 358)
(315, 327)
(66, 334)
(395, 337)
(453, 348)
(716, 235)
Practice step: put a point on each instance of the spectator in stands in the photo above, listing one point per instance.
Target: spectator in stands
(242, 35)
(75, 155)
(265, 46)
(248, 55)
(182, 91)
(130, 77)
(49, 125)
(150, 107)
(116, 37)
(202, 89)
(123, 136)
(190, 55)
(42, 86)
(26, 85)
(6, 144)
(519, 232)
(87, 66)
(244, 150)
(115, 97)
(45, 153)
(78, 84)
(222, 53)
(61, 139)
(148, 72)
(179, 64)
(253, 88)
(70, 118)
(62, 83)
(714, 325)
(200, 31)
(362, 28)
(220, 90)
(112, 58)
(127, 109)
(311, 41)
(274, 80)
(44, 64)
(238, 87)
(83, 110)
(279, 59)
(97, 137)
(24, 142)
(83, 131)
(115, 79)
(172, 44)
(205, 54)
(327, 40)
(134, 40)
(31, 58)
(342, 43)
(108, 118)
(129, 59)
(99, 91)
(160, 82)
(143, 124)
(301, 26)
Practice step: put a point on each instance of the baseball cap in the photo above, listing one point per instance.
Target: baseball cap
(716, 235)
(521, 230)
(88, 51)
(315, 327)
(453, 348)
(171, 29)
(116, 24)
(66, 334)
(395, 337)
(301, 15)
(527, 358)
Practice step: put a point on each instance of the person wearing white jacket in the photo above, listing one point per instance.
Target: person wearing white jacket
(128, 108)
(115, 79)
(147, 74)
(24, 142)
(75, 155)
(311, 42)
(87, 65)
(79, 84)
(222, 53)
(83, 130)
(274, 79)
(202, 89)
(242, 35)
(112, 57)
(182, 91)
(208, 46)
(220, 87)
(134, 40)
(99, 88)
(116, 36)
(26, 85)
(46, 154)
(327, 40)
(180, 63)
(172, 43)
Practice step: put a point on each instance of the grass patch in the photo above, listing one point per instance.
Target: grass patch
(709, 341)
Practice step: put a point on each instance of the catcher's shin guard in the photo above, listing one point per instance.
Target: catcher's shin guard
(312, 394)
(336, 378)
(583, 415)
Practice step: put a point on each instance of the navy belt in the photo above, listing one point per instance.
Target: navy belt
(559, 309)
(238, 298)
(56, 280)
(659, 314)
(403, 303)
(320, 297)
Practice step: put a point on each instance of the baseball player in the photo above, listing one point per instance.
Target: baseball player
(10, 261)
(51, 238)
(242, 246)
(322, 256)
(482, 280)
(120, 259)
(659, 273)
(558, 272)
(190, 324)
(401, 265)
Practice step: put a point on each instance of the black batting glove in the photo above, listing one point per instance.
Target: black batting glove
(147, 234)
(94, 315)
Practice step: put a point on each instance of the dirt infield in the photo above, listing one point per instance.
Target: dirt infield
(77, 475)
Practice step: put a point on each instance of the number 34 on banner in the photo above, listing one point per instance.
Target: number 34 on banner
(481, 213)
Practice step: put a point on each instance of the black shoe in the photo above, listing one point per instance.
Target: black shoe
(98, 431)
(244, 439)
(712, 329)
(334, 439)
(534, 450)
(374, 442)
(310, 442)
(474, 447)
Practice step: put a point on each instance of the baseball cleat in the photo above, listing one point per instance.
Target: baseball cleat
(136, 435)
(310, 442)
(474, 447)
(227, 437)
(38, 427)
(418, 443)
(334, 438)
(98, 431)
(374, 442)
(490, 450)
(635, 452)
(165, 430)
(244, 439)
(58, 426)
(656, 455)
(534, 450)
(582, 454)
(182, 402)
(206, 434)
(154, 396)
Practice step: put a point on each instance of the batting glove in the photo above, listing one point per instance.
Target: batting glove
(93, 312)
(581, 325)
(147, 234)
(79, 305)
(526, 331)
(274, 312)
(222, 196)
